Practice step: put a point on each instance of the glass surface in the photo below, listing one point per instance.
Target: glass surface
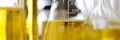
(102, 23)
(61, 24)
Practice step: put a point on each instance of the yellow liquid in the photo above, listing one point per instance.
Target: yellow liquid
(75, 30)
(63, 30)
(12, 24)
(104, 34)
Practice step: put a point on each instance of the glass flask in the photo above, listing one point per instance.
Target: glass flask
(105, 21)
(62, 24)
(12, 20)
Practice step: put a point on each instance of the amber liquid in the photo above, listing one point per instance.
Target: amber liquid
(75, 30)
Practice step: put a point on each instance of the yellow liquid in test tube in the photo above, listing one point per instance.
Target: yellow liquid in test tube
(63, 30)
(74, 30)
(12, 24)
(2, 25)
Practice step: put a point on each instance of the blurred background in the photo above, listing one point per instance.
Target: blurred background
(37, 12)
